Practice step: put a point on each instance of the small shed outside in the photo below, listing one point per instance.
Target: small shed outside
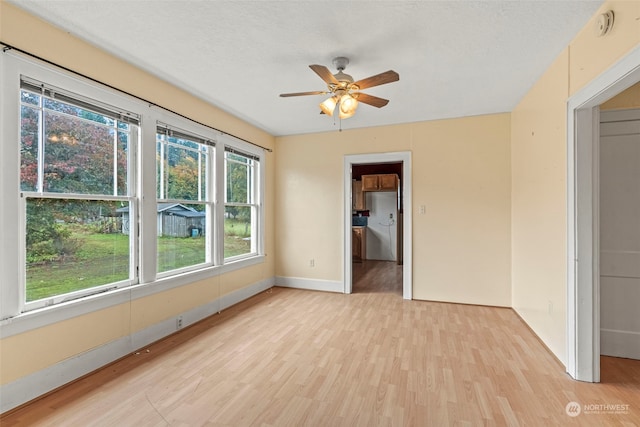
(173, 220)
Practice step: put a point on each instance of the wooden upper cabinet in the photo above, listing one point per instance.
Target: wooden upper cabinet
(370, 182)
(381, 182)
(388, 182)
(359, 202)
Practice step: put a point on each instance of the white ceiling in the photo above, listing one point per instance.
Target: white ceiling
(455, 58)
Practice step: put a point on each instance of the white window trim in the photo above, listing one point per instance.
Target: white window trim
(259, 170)
(26, 306)
(188, 127)
(254, 220)
(87, 92)
(12, 320)
(12, 222)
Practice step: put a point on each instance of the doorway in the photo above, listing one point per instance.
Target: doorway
(377, 224)
(583, 246)
(619, 235)
(400, 246)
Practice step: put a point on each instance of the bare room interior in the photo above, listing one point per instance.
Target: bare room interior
(319, 213)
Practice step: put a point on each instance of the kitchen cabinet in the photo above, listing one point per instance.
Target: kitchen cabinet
(359, 243)
(380, 182)
(358, 199)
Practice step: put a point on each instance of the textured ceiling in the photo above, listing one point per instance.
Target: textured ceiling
(455, 58)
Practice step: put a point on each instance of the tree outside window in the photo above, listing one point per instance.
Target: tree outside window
(74, 174)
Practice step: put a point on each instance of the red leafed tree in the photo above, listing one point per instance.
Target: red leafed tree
(78, 148)
(79, 151)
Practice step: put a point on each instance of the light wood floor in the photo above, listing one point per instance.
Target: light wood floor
(377, 276)
(295, 357)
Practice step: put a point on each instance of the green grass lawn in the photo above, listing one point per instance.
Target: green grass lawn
(104, 258)
(178, 252)
(234, 245)
(101, 259)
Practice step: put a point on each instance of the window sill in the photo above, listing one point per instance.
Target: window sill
(41, 317)
(169, 282)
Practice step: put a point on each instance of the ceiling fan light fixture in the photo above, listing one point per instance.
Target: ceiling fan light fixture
(344, 93)
(329, 105)
(348, 106)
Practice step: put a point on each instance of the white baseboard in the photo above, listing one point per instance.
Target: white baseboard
(240, 295)
(620, 343)
(27, 388)
(310, 284)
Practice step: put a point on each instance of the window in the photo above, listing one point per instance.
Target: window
(76, 180)
(183, 206)
(241, 208)
(93, 201)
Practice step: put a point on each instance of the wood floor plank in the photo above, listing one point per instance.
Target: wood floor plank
(295, 357)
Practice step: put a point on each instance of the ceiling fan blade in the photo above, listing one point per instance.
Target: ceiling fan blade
(315, 92)
(324, 74)
(371, 100)
(377, 80)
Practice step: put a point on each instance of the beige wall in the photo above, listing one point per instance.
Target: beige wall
(630, 98)
(32, 351)
(538, 168)
(591, 55)
(461, 173)
(538, 162)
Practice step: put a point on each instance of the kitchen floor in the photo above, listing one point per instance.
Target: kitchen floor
(372, 276)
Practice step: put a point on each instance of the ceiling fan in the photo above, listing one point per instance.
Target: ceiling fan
(345, 93)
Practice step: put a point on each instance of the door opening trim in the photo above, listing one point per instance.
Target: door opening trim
(583, 295)
(407, 266)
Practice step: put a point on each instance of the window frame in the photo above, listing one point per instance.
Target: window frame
(27, 306)
(254, 203)
(13, 213)
(14, 318)
(41, 193)
(208, 199)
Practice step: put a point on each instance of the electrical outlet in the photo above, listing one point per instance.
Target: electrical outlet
(179, 322)
(312, 262)
(390, 216)
(423, 209)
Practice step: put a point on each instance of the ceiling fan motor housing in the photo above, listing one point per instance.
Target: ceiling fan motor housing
(341, 63)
